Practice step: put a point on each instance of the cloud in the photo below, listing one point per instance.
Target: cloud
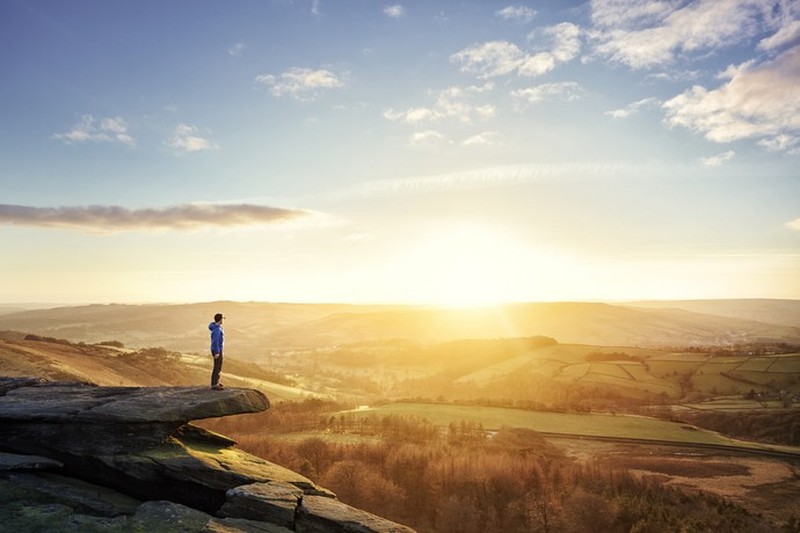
(490, 59)
(633, 108)
(794, 224)
(425, 138)
(452, 102)
(499, 58)
(109, 219)
(301, 83)
(395, 11)
(499, 176)
(518, 13)
(412, 115)
(567, 90)
(236, 49)
(109, 129)
(787, 34)
(717, 160)
(781, 143)
(756, 101)
(186, 139)
(562, 40)
(487, 138)
(315, 8)
(649, 33)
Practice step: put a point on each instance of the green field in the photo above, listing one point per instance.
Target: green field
(590, 425)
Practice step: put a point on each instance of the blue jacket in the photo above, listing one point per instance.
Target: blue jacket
(217, 337)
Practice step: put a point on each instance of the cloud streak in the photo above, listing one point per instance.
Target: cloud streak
(505, 175)
(113, 219)
(633, 108)
(719, 159)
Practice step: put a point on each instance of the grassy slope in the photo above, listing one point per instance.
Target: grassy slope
(594, 425)
(107, 366)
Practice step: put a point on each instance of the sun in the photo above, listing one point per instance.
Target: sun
(465, 265)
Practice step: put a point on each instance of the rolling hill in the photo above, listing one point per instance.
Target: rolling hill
(256, 329)
(779, 312)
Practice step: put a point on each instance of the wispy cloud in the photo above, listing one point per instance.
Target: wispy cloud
(506, 175)
(490, 59)
(111, 219)
(301, 83)
(719, 159)
(187, 139)
(499, 58)
(453, 102)
(89, 129)
(412, 115)
(315, 10)
(649, 33)
(486, 138)
(788, 33)
(633, 108)
(757, 101)
(794, 224)
(567, 90)
(426, 138)
(236, 49)
(518, 13)
(395, 11)
(781, 143)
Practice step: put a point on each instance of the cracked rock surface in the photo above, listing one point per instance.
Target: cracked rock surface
(77, 457)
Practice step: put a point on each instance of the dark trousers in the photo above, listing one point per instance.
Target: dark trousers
(217, 369)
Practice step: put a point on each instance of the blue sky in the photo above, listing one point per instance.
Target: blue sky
(358, 150)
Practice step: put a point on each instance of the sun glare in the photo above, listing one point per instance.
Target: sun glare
(471, 265)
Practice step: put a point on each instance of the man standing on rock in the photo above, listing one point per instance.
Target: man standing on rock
(217, 341)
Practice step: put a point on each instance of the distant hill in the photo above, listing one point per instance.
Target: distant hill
(255, 329)
(780, 312)
(582, 323)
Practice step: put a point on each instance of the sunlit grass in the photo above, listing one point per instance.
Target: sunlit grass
(590, 425)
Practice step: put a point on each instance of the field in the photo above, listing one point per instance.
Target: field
(573, 424)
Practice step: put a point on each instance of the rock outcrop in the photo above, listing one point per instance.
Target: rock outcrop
(74, 456)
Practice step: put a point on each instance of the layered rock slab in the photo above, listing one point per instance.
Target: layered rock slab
(138, 441)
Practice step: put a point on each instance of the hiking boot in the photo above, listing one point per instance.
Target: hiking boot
(218, 386)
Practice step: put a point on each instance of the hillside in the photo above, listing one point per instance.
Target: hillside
(48, 358)
(780, 312)
(256, 329)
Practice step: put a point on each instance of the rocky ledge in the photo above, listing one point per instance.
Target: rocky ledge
(78, 457)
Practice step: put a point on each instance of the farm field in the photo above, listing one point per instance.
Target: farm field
(590, 425)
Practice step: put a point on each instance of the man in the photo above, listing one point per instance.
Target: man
(217, 342)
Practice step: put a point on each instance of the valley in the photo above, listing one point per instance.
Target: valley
(709, 419)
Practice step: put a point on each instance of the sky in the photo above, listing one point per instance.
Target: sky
(437, 152)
